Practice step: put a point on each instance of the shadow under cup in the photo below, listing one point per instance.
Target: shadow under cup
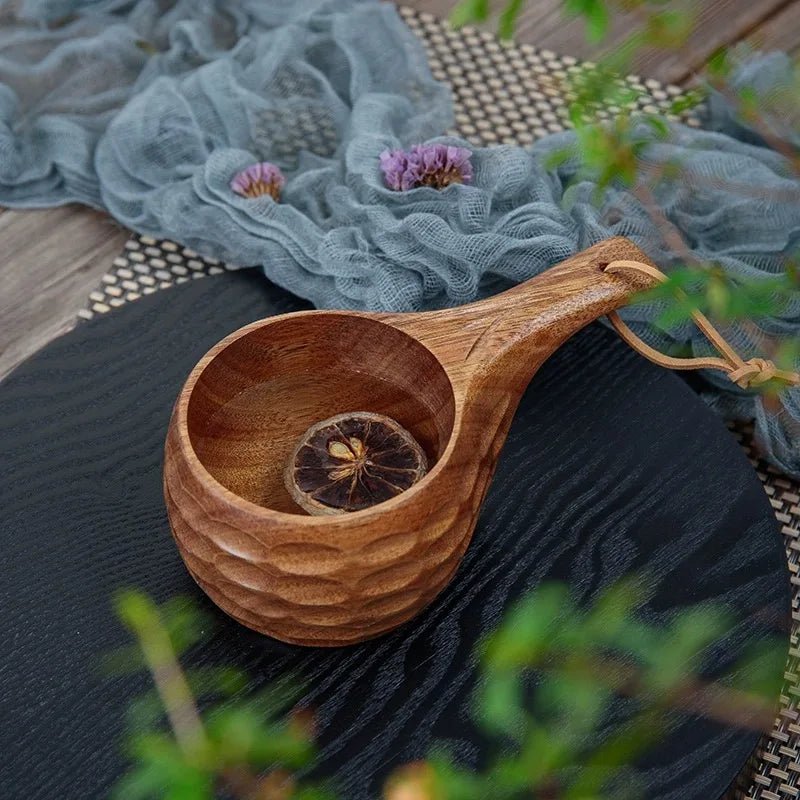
(260, 393)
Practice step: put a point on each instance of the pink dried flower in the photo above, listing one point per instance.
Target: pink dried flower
(436, 165)
(259, 179)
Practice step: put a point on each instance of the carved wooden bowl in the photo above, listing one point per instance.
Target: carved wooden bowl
(452, 378)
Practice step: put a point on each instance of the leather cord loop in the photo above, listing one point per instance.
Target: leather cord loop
(753, 372)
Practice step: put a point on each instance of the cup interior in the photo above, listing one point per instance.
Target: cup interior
(259, 394)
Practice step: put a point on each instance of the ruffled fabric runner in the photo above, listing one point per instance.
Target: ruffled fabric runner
(149, 109)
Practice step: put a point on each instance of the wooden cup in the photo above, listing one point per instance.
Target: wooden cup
(453, 378)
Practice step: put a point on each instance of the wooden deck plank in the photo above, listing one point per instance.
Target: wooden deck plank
(51, 260)
(779, 32)
(718, 23)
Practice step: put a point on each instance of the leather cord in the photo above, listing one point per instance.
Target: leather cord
(753, 372)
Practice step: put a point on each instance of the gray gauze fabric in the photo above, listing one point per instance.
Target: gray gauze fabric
(148, 109)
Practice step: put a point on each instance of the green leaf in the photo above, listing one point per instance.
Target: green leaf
(719, 64)
(163, 770)
(614, 606)
(787, 354)
(314, 793)
(185, 622)
(508, 18)
(512, 774)
(658, 125)
(597, 18)
(748, 101)
(468, 12)
(241, 735)
(225, 681)
(573, 8)
(628, 741)
(757, 669)
(179, 616)
(548, 748)
(191, 785)
(573, 693)
(499, 707)
(141, 783)
(718, 298)
(682, 645)
(454, 782)
(528, 630)
(134, 608)
(595, 14)
(678, 312)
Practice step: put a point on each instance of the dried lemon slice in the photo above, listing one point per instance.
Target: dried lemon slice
(353, 461)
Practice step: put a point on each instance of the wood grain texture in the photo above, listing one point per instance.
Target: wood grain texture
(51, 260)
(611, 465)
(781, 31)
(543, 24)
(452, 378)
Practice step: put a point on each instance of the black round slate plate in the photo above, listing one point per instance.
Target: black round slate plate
(612, 465)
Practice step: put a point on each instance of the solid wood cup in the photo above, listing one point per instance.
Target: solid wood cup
(452, 378)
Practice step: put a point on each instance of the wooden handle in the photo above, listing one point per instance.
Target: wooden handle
(512, 333)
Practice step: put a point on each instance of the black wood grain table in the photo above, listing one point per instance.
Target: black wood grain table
(611, 466)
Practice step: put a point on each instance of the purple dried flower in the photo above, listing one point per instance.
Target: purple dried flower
(436, 165)
(259, 179)
(394, 165)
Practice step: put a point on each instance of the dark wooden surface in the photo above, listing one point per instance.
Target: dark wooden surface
(53, 258)
(82, 427)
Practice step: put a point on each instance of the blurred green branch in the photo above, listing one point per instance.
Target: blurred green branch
(613, 148)
(246, 746)
(549, 678)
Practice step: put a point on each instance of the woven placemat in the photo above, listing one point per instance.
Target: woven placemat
(514, 94)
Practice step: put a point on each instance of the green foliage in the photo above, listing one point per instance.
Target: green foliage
(579, 659)
(163, 771)
(247, 744)
(668, 28)
(613, 140)
(595, 13)
(467, 12)
(690, 99)
(610, 153)
(549, 674)
(567, 662)
(719, 64)
(508, 18)
(711, 290)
